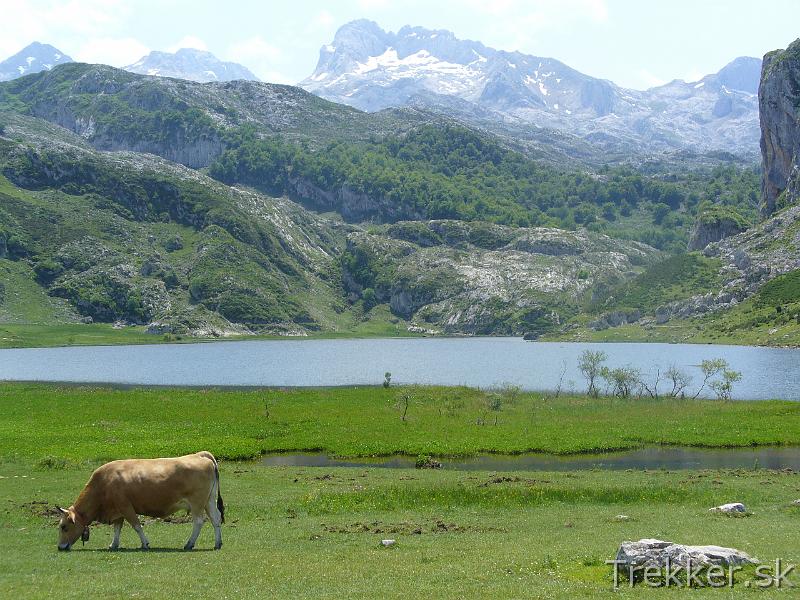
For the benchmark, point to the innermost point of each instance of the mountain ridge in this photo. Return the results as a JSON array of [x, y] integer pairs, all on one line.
[[191, 64], [372, 69]]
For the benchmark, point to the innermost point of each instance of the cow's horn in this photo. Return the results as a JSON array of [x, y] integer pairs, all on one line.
[[63, 510]]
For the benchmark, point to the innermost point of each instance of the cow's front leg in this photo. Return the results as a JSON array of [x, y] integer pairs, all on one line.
[[133, 519], [198, 521], [117, 530]]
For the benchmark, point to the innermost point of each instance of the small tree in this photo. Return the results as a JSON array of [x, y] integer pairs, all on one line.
[[651, 389], [387, 379], [723, 388], [679, 380], [591, 364], [621, 380], [403, 400], [710, 368]]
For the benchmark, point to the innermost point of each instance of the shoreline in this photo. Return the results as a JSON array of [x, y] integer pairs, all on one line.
[[135, 336]]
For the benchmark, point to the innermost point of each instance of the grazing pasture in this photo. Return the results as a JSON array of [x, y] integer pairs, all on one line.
[[315, 532]]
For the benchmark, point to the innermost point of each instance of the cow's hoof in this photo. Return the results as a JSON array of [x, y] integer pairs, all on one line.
[[145, 547], [113, 548], [218, 546], [188, 547]]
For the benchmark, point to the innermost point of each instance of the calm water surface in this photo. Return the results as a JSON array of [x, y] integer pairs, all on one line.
[[481, 362], [646, 458]]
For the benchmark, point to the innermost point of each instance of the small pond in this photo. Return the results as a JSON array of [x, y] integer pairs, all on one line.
[[670, 458]]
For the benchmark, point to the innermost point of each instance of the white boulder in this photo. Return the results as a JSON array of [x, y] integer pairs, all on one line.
[[731, 507], [659, 553]]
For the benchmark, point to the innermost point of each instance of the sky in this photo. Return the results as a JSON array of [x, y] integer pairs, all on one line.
[[634, 43]]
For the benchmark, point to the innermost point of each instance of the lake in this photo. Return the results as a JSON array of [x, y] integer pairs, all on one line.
[[478, 362]]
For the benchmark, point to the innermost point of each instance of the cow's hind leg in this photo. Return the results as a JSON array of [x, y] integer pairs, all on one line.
[[197, 519], [216, 519], [117, 529], [133, 519]]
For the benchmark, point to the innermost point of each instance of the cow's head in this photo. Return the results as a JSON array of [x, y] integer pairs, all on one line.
[[70, 528]]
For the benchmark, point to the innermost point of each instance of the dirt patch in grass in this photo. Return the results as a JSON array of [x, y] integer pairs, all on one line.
[[513, 479], [41, 508], [410, 528]]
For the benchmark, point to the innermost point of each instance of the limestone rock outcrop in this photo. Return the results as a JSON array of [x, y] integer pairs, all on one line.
[[779, 112]]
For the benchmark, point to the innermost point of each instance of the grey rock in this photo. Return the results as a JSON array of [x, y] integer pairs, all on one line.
[[707, 230], [663, 314], [731, 507], [659, 553], [778, 97]]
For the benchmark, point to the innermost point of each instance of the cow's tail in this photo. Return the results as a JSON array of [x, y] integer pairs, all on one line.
[[220, 503]]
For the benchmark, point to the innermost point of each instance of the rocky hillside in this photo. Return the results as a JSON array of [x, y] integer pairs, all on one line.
[[133, 238], [184, 121], [745, 285], [191, 64], [476, 278], [372, 69], [184, 207], [779, 102], [33, 58]]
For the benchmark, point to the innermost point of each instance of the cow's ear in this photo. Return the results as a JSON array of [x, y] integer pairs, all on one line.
[[85, 535]]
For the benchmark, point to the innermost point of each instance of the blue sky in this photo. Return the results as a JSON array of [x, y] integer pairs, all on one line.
[[633, 43]]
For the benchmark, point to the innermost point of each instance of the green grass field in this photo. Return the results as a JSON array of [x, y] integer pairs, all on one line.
[[76, 422], [295, 532]]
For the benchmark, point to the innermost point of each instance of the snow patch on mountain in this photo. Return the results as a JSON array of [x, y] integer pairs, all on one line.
[[191, 64], [373, 69]]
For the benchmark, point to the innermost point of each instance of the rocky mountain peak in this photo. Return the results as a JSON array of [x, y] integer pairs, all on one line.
[[372, 69], [33, 58], [191, 64], [743, 73]]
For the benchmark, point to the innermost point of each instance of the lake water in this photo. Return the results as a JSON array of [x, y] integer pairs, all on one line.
[[647, 458], [479, 361]]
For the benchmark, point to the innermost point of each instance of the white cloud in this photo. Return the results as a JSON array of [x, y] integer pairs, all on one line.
[[117, 52], [60, 22], [544, 13], [373, 4], [513, 24], [322, 20], [188, 41], [693, 75], [259, 56], [648, 80]]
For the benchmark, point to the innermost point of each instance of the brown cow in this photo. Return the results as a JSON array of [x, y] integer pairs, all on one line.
[[120, 490]]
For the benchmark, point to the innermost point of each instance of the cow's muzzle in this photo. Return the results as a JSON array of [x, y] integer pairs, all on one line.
[[64, 546]]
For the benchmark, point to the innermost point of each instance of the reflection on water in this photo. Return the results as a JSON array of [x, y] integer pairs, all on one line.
[[646, 458]]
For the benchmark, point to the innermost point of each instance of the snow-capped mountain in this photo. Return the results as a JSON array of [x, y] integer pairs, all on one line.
[[372, 69], [32, 59], [188, 63]]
